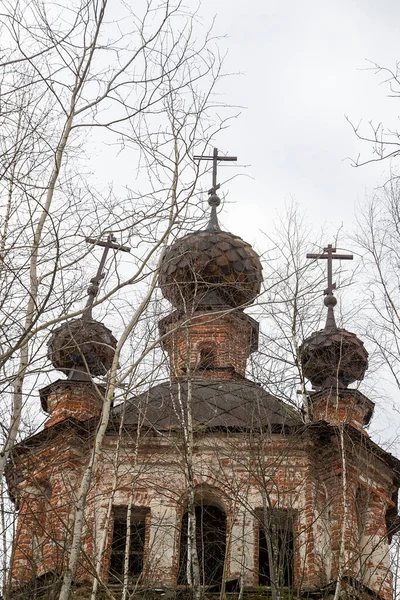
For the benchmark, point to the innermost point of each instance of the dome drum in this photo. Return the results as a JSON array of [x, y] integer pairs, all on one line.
[[342, 406], [229, 337]]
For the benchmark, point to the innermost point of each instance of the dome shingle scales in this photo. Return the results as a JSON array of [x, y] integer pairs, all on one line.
[[210, 261], [84, 345], [333, 356]]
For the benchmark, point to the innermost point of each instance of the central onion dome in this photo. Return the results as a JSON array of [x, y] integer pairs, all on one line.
[[210, 267], [332, 356], [82, 347]]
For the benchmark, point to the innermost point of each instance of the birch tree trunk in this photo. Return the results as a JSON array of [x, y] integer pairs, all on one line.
[[81, 95], [31, 313], [341, 557]]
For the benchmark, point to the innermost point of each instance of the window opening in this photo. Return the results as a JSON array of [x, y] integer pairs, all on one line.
[[361, 505], [206, 358], [210, 543], [276, 547], [136, 547]]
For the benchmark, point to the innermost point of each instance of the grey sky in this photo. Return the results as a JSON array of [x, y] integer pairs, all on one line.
[[303, 68]]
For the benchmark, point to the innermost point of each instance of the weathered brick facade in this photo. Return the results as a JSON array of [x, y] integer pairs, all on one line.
[[303, 471], [80, 400], [230, 336], [338, 487]]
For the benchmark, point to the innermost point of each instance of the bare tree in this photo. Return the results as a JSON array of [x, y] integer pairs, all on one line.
[[378, 238], [382, 142], [75, 78], [249, 482]]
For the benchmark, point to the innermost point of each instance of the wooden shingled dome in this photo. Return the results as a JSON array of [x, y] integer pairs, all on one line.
[[335, 357], [83, 345], [206, 263]]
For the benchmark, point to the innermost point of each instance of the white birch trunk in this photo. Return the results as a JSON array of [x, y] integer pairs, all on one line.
[[101, 430], [342, 550], [105, 415], [127, 548], [194, 559], [16, 409]]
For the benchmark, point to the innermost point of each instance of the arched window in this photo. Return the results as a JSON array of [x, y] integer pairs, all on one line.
[[210, 544], [206, 358]]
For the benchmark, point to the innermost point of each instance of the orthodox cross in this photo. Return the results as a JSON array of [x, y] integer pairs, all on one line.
[[215, 158], [329, 254], [93, 289]]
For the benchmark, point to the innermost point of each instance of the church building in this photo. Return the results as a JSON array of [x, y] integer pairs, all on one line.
[[207, 485]]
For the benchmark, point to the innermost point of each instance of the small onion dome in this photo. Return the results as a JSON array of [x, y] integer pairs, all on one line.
[[333, 357], [208, 264], [83, 345]]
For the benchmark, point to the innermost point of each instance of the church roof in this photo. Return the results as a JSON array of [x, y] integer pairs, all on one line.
[[216, 404]]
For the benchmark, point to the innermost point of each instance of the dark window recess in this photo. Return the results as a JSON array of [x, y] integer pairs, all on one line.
[[206, 358], [136, 547], [211, 545], [361, 504], [276, 547]]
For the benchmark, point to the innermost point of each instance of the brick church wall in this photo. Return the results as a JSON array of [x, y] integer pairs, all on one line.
[[295, 472]]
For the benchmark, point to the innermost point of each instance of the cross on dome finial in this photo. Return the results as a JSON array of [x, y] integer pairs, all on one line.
[[93, 289], [332, 358], [213, 200], [84, 348], [329, 254]]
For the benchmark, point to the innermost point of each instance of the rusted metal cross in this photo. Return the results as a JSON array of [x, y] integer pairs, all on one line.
[[93, 289], [330, 254], [215, 158]]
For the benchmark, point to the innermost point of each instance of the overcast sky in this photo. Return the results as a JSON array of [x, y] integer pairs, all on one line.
[[303, 68]]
